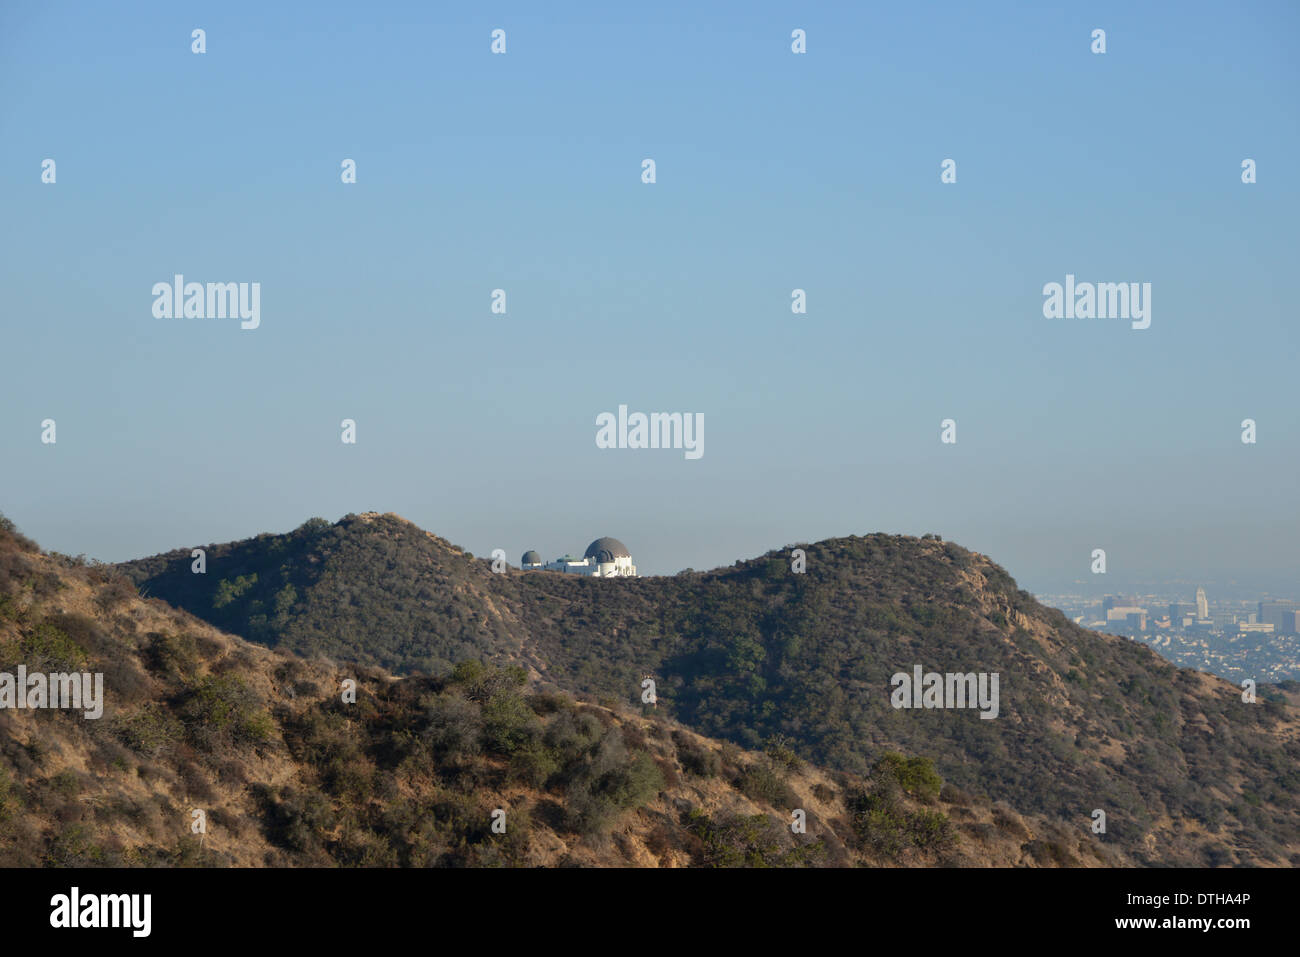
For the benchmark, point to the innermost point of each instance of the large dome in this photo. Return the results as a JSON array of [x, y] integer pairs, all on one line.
[[531, 558], [606, 550]]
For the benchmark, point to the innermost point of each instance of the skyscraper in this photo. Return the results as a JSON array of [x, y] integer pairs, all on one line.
[[1202, 606], [1279, 613], [1117, 601]]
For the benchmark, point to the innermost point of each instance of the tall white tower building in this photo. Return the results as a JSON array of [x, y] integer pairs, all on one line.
[[1202, 606]]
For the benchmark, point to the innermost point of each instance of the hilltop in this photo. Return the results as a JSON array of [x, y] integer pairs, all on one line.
[[285, 772], [1186, 772]]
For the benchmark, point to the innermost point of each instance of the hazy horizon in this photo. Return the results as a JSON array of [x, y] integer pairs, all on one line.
[[1091, 586]]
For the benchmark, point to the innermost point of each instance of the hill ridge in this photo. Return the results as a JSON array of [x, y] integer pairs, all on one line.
[[281, 770], [752, 651]]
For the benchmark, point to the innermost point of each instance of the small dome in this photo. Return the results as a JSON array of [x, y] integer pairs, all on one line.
[[531, 558], [606, 550]]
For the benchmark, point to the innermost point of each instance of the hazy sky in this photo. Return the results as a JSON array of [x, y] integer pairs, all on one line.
[[775, 171]]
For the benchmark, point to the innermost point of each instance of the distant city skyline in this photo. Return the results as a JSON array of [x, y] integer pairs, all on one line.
[[1232, 638], [776, 173]]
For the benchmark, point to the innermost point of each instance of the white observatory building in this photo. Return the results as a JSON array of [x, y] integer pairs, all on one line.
[[604, 558]]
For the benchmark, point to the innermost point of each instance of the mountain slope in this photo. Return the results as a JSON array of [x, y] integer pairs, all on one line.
[[285, 772], [1185, 771]]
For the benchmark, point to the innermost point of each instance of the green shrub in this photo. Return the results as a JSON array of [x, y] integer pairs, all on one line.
[[365, 849], [508, 723], [534, 765], [698, 759], [453, 726], [823, 793], [570, 735], [299, 820], [149, 729], [761, 781], [916, 776], [312, 527], [75, 847], [930, 830], [66, 783], [608, 783], [782, 754], [48, 649], [228, 591], [878, 823], [882, 823], [172, 657], [747, 841], [481, 682], [546, 703], [636, 783], [221, 708]]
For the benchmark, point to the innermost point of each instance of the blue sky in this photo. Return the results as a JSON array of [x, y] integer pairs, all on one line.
[[775, 171]]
